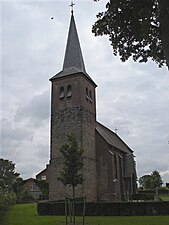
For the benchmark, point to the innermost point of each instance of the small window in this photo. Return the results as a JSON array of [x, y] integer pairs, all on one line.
[[90, 95], [87, 94], [43, 178], [33, 187], [62, 93], [115, 166], [69, 91]]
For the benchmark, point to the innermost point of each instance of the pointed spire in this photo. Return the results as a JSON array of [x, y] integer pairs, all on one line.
[[73, 54], [73, 60]]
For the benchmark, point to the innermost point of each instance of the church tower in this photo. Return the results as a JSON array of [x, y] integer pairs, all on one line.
[[73, 109]]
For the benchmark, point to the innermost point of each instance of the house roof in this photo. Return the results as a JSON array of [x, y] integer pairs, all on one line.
[[41, 172], [112, 138], [29, 179], [73, 60]]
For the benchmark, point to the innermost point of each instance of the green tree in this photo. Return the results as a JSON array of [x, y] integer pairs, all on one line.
[[8, 175], [137, 29], [152, 181], [156, 180], [72, 165], [18, 186], [145, 181]]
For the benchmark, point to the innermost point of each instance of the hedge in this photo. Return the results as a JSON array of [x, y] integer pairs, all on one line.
[[106, 209], [5, 201], [142, 196], [161, 190]]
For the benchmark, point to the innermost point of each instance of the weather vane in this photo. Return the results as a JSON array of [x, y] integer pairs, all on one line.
[[72, 5]]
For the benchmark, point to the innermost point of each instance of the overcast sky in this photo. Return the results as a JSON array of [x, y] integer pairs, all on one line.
[[130, 96]]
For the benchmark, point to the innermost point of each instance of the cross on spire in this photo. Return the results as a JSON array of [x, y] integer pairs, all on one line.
[[72, 5]]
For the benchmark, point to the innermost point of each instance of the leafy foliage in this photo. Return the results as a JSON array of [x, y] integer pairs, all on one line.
[[72, 165], [134, 29], [151, 181], [143, 197], [24, 197], [156, 179], [105, 209], [6, 201], [43, 185], [145, 181], [17, 186], [8, 175], [73, 162]]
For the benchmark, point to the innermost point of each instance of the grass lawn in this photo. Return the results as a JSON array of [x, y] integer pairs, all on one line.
[[25, 214], [164, 197]]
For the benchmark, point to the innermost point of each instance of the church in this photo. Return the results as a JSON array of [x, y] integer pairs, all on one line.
[[109, 173]]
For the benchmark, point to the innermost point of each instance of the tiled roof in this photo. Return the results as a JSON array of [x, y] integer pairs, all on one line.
[[112, 138], [41, 172]]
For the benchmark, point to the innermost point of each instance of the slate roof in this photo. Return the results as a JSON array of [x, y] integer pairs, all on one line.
[[112, 138], [73, 60]]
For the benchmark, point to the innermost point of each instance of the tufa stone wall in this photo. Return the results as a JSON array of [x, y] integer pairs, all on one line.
[[75, 114]]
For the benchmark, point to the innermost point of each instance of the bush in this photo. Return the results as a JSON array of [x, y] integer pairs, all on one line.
[[43, 197], [25, 197], [5, 201], [107, 209], [164, 191], [146, 191], [142, 197]]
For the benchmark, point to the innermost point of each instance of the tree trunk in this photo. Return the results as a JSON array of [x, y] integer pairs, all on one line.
[[164, 23], [156, 194], [66, 209], [73, 205]]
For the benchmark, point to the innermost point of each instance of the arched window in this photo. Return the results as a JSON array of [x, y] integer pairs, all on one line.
[[87, 94], [62, 93], [69, 91], [115, 166], [90, 96]]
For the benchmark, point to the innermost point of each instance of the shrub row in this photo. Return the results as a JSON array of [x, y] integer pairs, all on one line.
[[5, 201], [142, 197], [164, 191], [106, 209], [160, 191]]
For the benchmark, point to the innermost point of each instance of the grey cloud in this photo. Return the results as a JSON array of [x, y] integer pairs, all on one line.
[[36, 111], [43, 151], [165, 177], [36, 157], [30, 168], [13, 137], [130, 96]]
